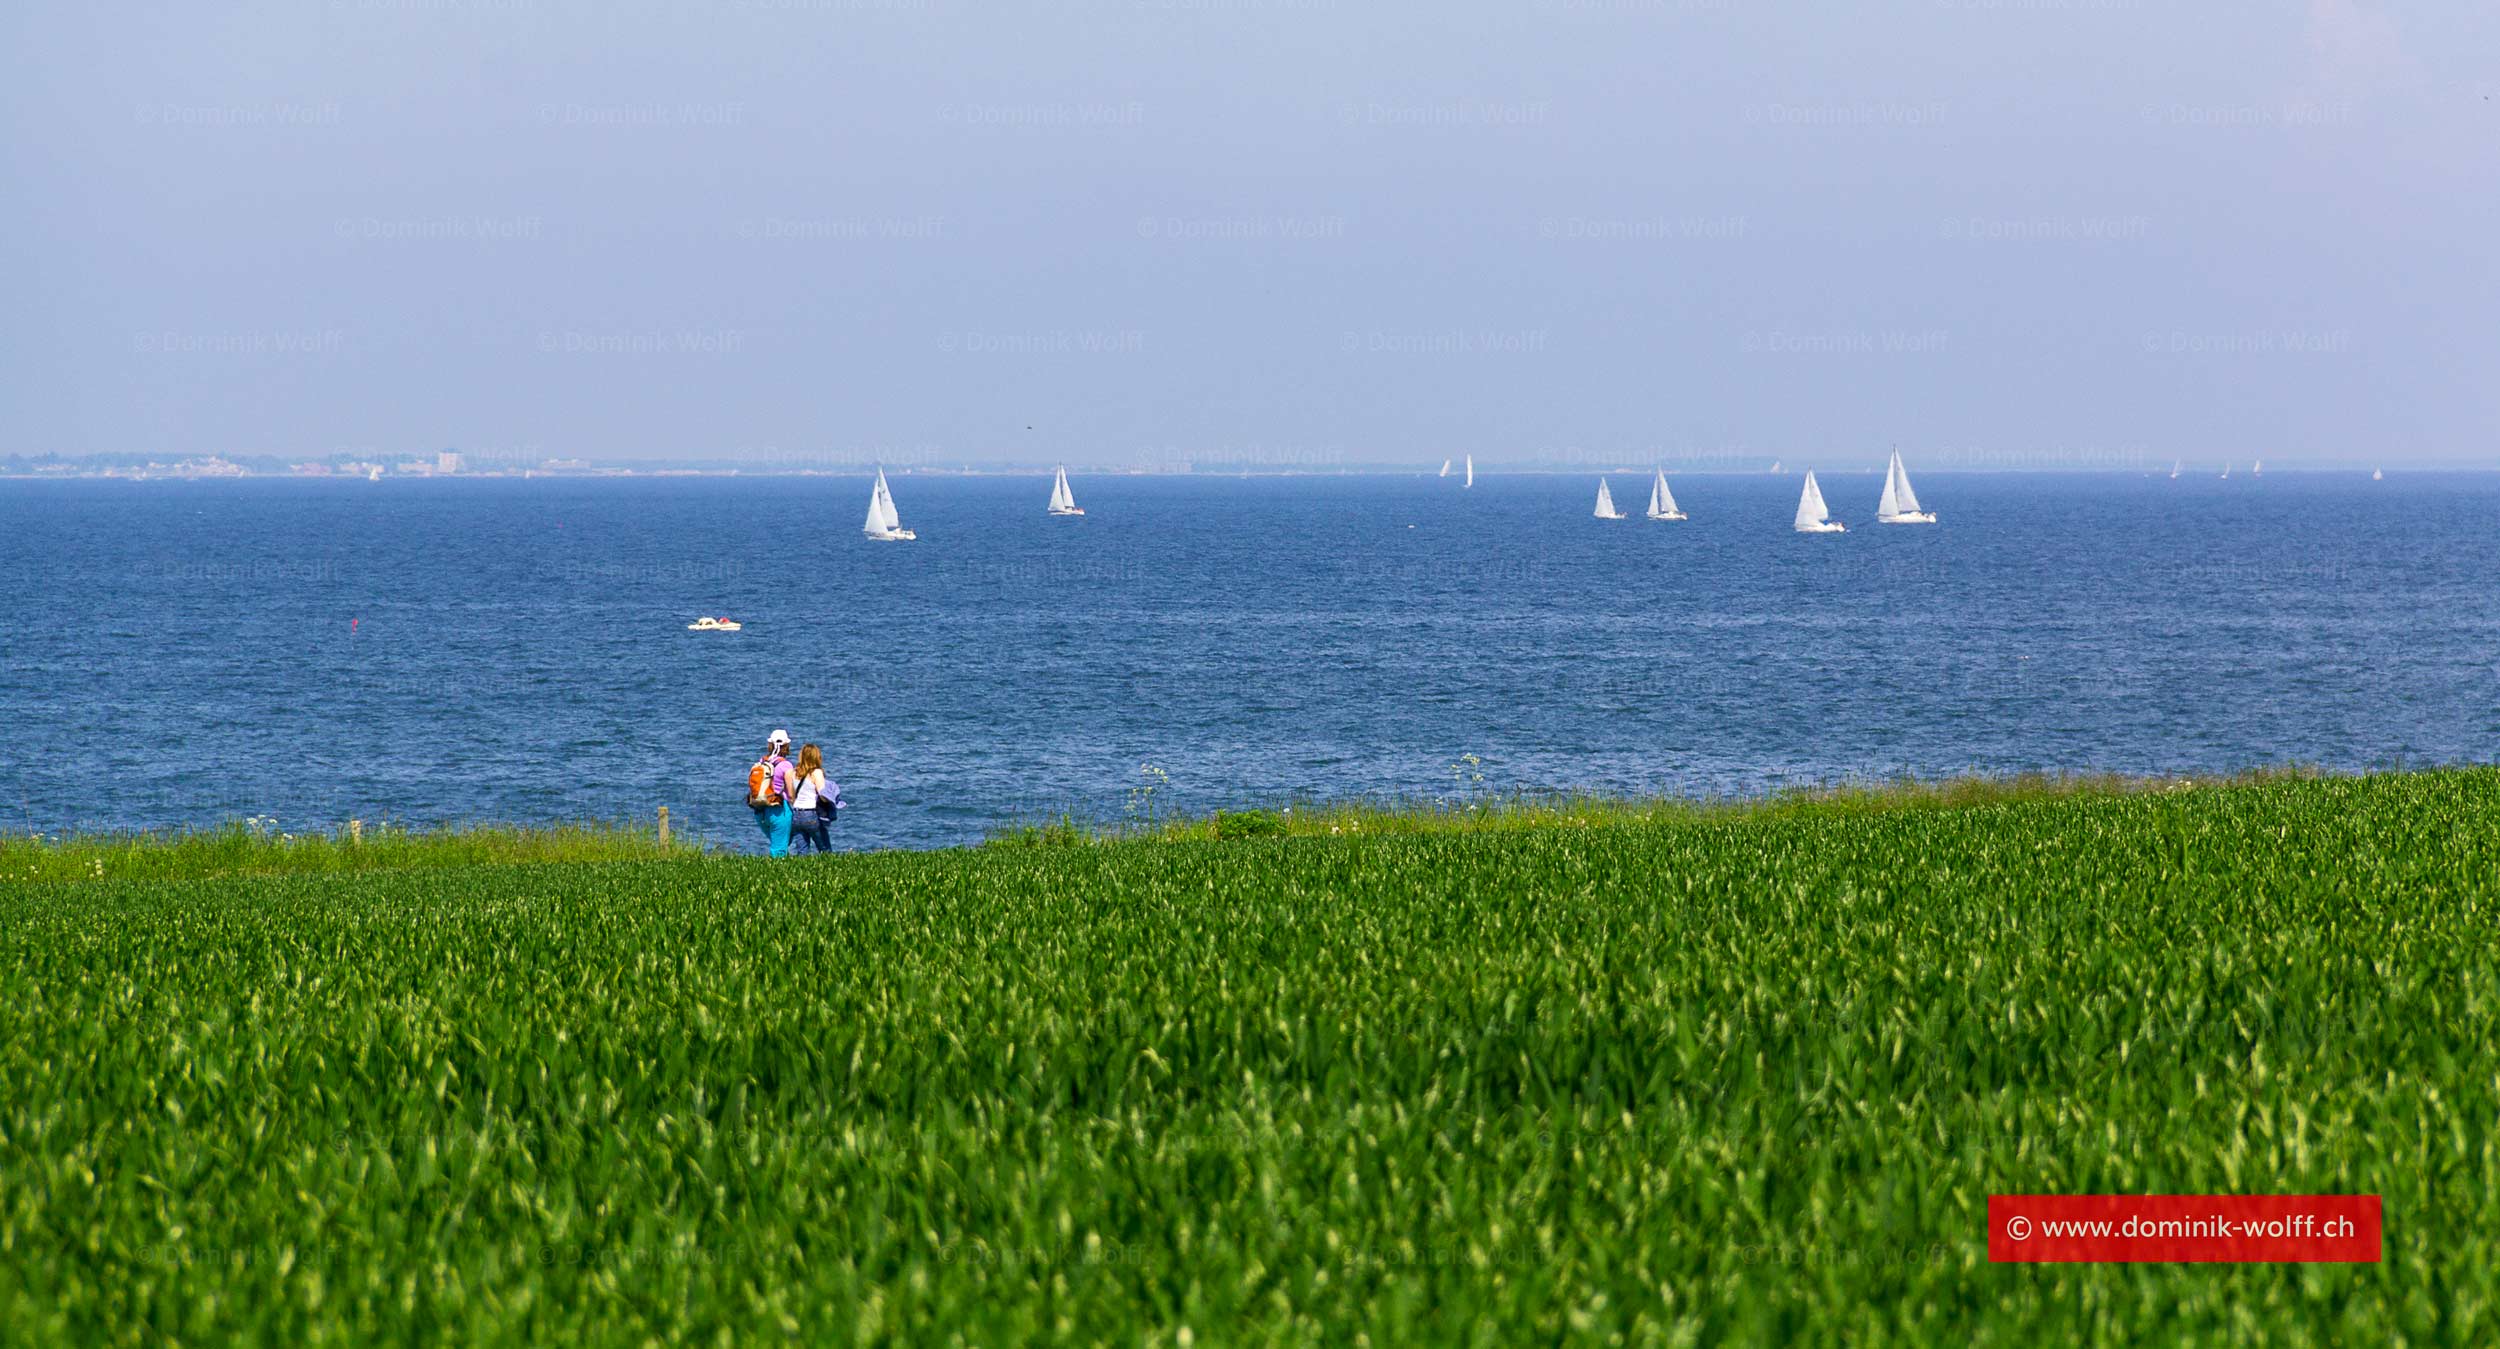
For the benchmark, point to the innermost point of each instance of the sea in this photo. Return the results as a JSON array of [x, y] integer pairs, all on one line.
[[177, 654]]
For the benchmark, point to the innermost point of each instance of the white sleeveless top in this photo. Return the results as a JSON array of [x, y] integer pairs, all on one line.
[[806, 798]]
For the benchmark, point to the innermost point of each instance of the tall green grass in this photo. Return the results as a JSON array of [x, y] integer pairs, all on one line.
[[1478, 810], [239, 848], [1706, 1078]]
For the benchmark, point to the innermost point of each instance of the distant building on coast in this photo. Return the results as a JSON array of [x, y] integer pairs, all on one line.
[[448, 462]]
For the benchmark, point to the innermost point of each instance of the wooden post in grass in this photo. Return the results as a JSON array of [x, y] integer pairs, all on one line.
[[663, 826], [355, 832]]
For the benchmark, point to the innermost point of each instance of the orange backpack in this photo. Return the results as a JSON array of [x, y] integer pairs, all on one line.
[[762, 794]]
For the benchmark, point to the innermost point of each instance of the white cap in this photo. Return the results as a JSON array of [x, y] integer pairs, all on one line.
[[778, 738]]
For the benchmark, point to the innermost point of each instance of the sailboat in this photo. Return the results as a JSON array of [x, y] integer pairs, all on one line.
[[1775, 466], [1606, 503], [2378, 475], [1900, 504], [2174, 468], [2256, 468], [1063, 501], [883, 524], [1662, 501], [1471, 470], [2226, 470], [1812, 517], [1445, 468]]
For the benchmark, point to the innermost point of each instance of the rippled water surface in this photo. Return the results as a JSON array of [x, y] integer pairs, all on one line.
[[178, 653]]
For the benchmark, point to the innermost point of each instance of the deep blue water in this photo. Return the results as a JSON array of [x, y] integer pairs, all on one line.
[[180, 653]]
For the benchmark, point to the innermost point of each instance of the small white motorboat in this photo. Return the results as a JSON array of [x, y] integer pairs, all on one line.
[[707, 623]]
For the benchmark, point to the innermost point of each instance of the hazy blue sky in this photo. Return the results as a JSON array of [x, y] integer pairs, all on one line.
[[2001, 232]]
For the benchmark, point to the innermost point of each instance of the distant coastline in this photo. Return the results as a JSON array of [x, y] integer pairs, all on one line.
[[211, 468]]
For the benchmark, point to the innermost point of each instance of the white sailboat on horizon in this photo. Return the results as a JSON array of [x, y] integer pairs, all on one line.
[[2226, 470], [2256, 468], [2378, 475], [2174, 468], [1606, 503], [1900, 504], [1445, 468], [884, 525], [1812, 516], [1063, 501], [1662, 501], [1471, 470], [1775, 466]]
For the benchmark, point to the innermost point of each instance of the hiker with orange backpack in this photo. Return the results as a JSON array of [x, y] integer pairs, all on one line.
[[768, 794]]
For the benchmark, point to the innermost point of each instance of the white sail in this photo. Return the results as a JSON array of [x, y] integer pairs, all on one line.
[[2256, 468], [1661, 501], [883, 522], [1061, 499], [1606, 503], [2174, 468], [1775, 466], [876, 525], [1813, 517], [1445, 468], [1900, 503], [1898, 488], [2378, 475], [1471, 470]]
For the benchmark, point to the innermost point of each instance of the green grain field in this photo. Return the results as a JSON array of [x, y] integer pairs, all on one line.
[[1673, 1077]]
